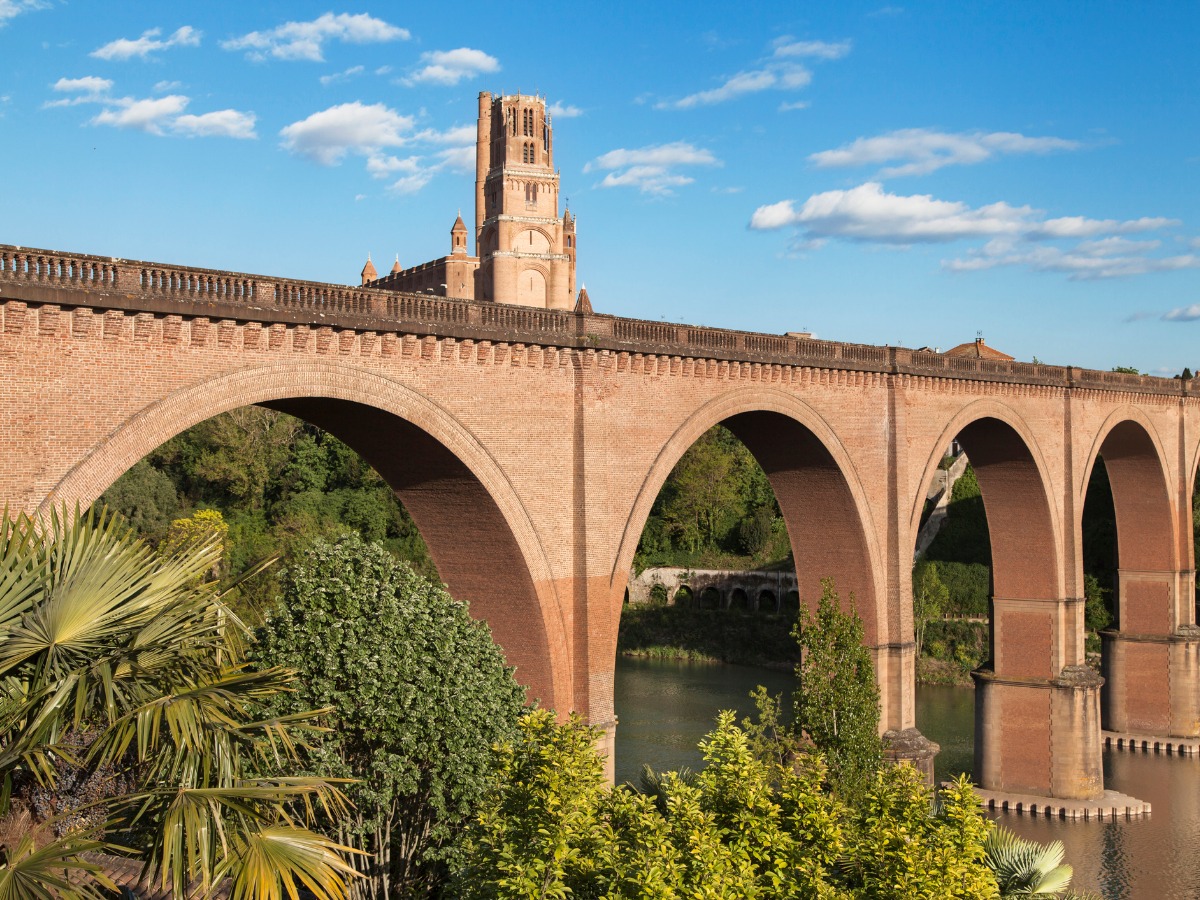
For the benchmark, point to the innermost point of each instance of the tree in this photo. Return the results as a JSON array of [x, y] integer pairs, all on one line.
[[756, 822], [416, 695], [118, 663], [837, 699], [1126, 370], [930, 599], [146, 498]]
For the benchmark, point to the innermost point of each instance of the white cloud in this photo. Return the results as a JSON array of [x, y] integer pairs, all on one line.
[[306, 40], [162, 87], [126, 48], [344, 75], [789, 47], [459, 136], [1013, 235], [158, 116], [417, 171], [151, 116], [559, 110], [777, 72], [229, 123], [327, 136], [88, 89], [919, 151], [452, 66], [752, 82], [10, 9], [651, 169], [1077, 265], [1183, 314]]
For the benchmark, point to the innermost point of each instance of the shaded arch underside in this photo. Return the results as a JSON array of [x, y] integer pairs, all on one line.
[[826, 532], [1025, 557], [1145, 537]]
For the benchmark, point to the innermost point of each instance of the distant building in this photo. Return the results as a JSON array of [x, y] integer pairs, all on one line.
[[524, 251], [977, 349]]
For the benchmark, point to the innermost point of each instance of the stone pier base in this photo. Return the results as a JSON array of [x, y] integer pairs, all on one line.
[[1149, 743], [1108, 806], [911, 748]]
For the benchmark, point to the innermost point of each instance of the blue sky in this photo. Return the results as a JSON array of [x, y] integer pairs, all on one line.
[[885, 173]]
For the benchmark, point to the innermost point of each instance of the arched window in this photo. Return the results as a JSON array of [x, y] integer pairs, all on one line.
[[546, 138]]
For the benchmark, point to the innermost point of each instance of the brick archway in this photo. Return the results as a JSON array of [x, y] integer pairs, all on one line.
[[819, 492], [478, 531], [1028, 476], [1154, 641]]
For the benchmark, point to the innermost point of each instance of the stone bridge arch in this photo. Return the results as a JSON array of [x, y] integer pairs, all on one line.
[[1025, 476], [477, 529], [820, 494], [1037, 716], [1155, 641]]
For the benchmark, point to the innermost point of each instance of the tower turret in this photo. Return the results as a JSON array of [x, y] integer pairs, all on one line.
[[458, 237], [368, 271]]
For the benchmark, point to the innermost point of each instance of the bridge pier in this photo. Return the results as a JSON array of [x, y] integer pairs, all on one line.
[[1039, 736], [1151, 662], [1153, 683]]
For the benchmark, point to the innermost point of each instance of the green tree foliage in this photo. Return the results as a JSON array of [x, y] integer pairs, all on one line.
[[277, 482], [716, 507], [1126, 370], [837, 699], [963, 537], [145, 497], [756, 822], [125, 699], [418, 694], [931, 599], [1096, 616]]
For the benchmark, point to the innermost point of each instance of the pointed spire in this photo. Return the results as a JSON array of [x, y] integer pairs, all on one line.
[[368, 271], [396, 265], [583, 305]]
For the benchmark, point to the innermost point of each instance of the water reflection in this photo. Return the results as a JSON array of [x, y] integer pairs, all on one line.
[[664, 708]]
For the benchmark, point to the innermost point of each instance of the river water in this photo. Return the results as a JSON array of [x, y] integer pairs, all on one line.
[[664, 708]]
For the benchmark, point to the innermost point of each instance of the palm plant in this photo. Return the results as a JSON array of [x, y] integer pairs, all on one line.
[[1026, 868], [100, 637]]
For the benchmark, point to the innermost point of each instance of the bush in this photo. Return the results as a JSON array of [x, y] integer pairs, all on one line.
[[418, 694]]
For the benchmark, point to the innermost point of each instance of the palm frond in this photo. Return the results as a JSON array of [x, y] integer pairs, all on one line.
[[31, 873]]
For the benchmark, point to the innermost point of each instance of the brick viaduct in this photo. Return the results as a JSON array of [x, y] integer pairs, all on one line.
[[529, 445]]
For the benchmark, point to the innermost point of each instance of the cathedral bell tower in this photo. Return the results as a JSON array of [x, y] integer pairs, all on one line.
[[526, 250]]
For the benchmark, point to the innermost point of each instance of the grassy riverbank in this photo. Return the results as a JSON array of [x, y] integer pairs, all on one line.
[[953, 648], [677, 632]]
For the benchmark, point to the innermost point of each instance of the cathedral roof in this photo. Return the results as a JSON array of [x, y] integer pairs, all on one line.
[[368, 271], [396, 267], [458, 224]]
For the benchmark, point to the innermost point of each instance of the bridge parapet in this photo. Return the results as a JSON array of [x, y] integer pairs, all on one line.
[[74, 279]]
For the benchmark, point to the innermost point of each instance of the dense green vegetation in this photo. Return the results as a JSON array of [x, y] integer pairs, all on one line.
[[416, 692], [716, 510]]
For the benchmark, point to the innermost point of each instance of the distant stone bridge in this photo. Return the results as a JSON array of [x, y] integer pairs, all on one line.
[[764, 591], [529, 446]]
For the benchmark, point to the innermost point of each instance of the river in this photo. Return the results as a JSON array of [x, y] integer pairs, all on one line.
[[664, 708]]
